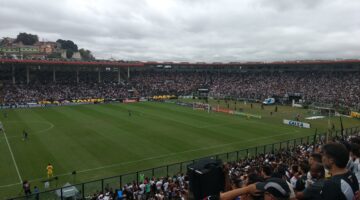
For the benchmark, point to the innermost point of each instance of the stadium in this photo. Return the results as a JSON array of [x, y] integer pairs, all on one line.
[[141, 127], [179, 100]]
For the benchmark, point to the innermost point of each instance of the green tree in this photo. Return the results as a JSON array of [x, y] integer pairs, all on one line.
[[69, 53], [27, 39], [68, 45], [86, 54]]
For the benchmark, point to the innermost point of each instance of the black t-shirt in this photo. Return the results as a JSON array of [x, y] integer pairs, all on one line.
[[300, 183], [340, 187], [313, 191]]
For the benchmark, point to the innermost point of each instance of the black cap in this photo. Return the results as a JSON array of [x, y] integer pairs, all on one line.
[[275, 186]]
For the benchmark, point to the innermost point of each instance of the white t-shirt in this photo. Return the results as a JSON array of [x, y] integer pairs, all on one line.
[[293, 181], [142, 188], [292, 193], [356, 169], [158, 185], [166, 186]]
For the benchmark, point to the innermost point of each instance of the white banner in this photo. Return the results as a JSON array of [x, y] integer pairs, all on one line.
[[296, 123]]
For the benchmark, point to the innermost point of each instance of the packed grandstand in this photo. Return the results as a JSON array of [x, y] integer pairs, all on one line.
[[306, 171], [337, 85], [300, 168]]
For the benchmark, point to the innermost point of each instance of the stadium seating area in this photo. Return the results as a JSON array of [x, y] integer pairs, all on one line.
[[331, 88], [175, 187], [297, 166], [300, 167], [24, 93], [293, 165]]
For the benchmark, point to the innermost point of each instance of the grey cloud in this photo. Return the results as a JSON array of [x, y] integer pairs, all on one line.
[[286, 5], [193, 30]]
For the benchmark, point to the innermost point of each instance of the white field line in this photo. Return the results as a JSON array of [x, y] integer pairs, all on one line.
[[12, 156], [157, 157], [51, 126]]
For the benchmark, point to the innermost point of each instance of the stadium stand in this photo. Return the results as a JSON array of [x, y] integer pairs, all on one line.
[[175, 187], [338, 89], [304, 177]]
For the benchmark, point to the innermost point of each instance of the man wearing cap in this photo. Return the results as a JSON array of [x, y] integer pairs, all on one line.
[[273, 189]]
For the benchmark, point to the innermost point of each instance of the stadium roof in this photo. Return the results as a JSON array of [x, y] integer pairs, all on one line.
[[144, 64], [74, 63]]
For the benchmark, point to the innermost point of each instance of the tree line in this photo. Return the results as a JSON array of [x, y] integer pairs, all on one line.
[[68, 45]]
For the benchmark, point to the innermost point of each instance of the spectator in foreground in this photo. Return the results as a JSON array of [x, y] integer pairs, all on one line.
[[343, 184], [273, 189], [312, 192]]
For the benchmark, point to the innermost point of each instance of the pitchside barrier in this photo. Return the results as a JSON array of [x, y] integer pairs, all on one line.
[[296, 123], [85, 190], [233, 112]]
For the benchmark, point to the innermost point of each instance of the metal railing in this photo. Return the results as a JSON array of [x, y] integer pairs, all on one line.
[[86, 189]]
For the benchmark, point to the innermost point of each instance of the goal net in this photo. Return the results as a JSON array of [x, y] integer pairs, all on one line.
[[324, 111], [201, 106]]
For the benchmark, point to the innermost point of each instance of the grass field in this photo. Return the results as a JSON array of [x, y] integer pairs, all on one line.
[[103, 140]]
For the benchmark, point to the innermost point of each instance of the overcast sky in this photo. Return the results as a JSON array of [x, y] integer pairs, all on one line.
[[193, 30]]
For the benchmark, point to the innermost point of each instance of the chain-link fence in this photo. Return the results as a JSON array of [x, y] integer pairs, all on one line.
[[84, 190]]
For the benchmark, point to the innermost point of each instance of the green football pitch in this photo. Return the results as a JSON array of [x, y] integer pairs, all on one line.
[[99, 141]]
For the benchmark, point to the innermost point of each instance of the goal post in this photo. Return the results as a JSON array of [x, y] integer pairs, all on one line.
[[326, 111], [201, 106]]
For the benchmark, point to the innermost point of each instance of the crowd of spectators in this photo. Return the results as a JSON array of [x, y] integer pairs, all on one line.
[[318, 171], [164, 83], [323, 171], [308, 171], [24, 93], [329, 88], [175, 187], [340, 88]]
